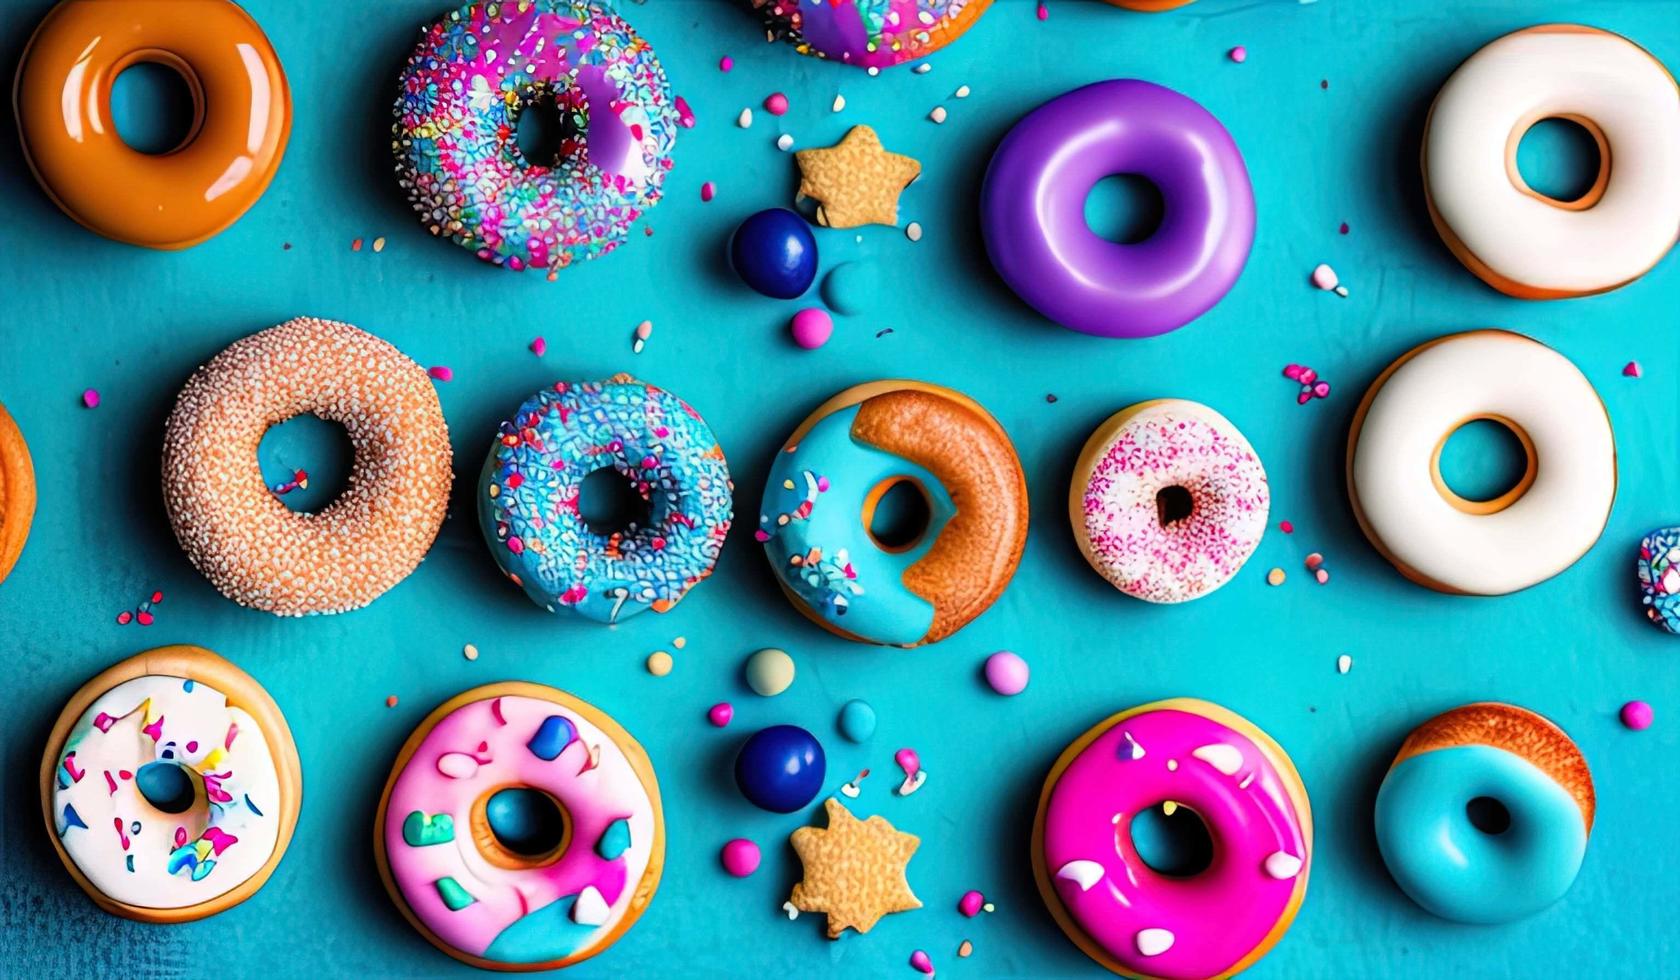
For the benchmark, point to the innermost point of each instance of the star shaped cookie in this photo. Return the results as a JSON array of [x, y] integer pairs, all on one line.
[[856, 181], [854, 870]]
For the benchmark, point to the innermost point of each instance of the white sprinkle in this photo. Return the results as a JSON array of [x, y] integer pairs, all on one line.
[[1172, 765], [1344, 663], [744, 119], [784, 142], [1154, 942], [1226, 758], [873, 71], [590, 909], [913, 231], [791, 910], [922, 69], [839, 102], [1082, 873], [1133, 751], [457, 765], [1341, 291], [962, 91], [1283, 865], [470, 652], [938, 114], [1324, 277]]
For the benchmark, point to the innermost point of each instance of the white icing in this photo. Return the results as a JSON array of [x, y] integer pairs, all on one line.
[[244, 771], [1462, 377], [1282, 865], [1082, 873], [1518, 80], [457, 765], [1154, 942], [1134, 751], [1225, 758], [590, 909]]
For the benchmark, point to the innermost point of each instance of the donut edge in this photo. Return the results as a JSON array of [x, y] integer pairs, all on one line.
[[626, 743], [1358, 423], [1268, 746], [242, 691], [17, 493]]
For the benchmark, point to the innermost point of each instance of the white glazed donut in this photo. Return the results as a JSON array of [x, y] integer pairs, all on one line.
[[1535, 530], [1125, 516], [1520, 241]]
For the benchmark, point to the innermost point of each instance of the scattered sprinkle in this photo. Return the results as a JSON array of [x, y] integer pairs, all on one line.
[[285, 246], [1286, 527], [142, 613], [1043, 11], [90, 398], [972, 903], [441, 373], [356, 245], [874, 71], [883, 332], [784, 142], [1051, 398], [923, 68], [853, 788], [914, 774], [685, 113], [965, 949], [539, 346], [659, 663], [744, 119], [1314, 560], [1322, 575], [1344, 228], [644, 330], [391, 701], [1324, 277], [963, 92], [839, 102], [1344, 663], [1637, 715], [938, 114], [299, 481], [791, 910], [776, 104], [1311, 386], [740, 857], [1238, 54], [1007, 673], [708, 190], [1324, 83], [470, 652], [921, 962], [124, 618], [379, 244], [680, 642], [720, 714], [1275, 577], [725, 63], [1630, 370], [913, 231]]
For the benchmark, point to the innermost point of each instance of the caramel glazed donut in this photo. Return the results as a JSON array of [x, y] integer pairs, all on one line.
[[239, 534], [17, 493]]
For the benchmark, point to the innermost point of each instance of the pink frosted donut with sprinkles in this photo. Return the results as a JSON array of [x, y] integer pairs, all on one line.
[[1168, 500], [872, 34], [455, 137]]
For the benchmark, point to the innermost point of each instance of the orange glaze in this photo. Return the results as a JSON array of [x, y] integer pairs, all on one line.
[[242, 114]]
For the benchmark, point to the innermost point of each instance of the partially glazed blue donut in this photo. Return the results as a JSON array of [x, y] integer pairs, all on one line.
[[1458, 871], [529, 493]]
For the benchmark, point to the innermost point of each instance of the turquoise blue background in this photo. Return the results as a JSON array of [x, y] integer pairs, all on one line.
[[82, 312]]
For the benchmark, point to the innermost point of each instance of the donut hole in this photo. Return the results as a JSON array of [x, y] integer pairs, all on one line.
[[1173, 504], [519, 827], [610, 504], [306, 462], [1484, 465], [1488, 815], [155, 107], [167, 786], [1172, 840], [1561, 160], [547, 127], [1125, 208], [897, 513]]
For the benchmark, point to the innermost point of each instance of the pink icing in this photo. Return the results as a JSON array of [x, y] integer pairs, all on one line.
[[1213, 919], [591, 778], [1166, 445]]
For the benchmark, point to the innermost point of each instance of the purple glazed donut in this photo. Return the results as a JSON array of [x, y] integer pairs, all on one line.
[[1033, 209]]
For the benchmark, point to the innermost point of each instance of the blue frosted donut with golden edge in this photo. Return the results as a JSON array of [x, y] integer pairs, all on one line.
[[529, 492]]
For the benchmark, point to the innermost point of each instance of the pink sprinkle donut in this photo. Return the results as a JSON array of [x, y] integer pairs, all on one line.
[[1168, 500], [1138, 921]]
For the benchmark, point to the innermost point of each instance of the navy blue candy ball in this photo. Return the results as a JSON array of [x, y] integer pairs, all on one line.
[[775, 253], [780, 768]]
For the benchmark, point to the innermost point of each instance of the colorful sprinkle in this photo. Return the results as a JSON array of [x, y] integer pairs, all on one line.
[[1637, 715], [720, 714], [685, 113], [963, 92], [1238, 54], [644, 330], [90, 398], [811, 327], [1311, 385], [1286, 527], [1344, 663], [614, 841], [725, 63], [853, 788], [708, 190], [1007, 673], [553, 735], [913, 231], [744, 120], [379, 244], [441, 373], [839, 103], [921, 962], [470, 652], [740, 857], [914, 774], [391, 701], [922, 69], [784, 142], [659, 663], [938, 115], [1631, 370], [966, 949], [1275, 577], [455, 898], [972, 904], [776, 104], [1043, 11]]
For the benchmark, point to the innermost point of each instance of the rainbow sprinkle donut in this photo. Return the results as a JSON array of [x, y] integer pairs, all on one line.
[[458, 157], [528, 500], [872, 34]]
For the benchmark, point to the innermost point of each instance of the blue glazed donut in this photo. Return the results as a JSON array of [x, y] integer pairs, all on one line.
[[1487, 874], [528, 500]]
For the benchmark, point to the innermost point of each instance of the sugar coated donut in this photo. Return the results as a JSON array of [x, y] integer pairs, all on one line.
[[1033, 209], [240, 535], [1532, 835], [1526, 535], [533, 482], [171, 786], [871, 34], [490, 883], [1134, 919], [1168, 500], [17, 493], [1515, 238], [242, 115], [456, 134], [831, 475]]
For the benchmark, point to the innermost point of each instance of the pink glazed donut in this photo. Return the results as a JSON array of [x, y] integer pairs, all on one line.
[[1135, 920], [543, 896], [1168, 500]]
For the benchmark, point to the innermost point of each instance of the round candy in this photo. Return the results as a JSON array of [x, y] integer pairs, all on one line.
[[721, 714], [769, 672], [740, 857], [857, 720], [780, 768], [1637, 715], [1006, 672], [775, 253], [811, 328]]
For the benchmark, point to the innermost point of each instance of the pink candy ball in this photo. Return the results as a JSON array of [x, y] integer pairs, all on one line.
[[776, 104], [1006, 672], [740, 857], [1239, 54], [1637, 715], [811, 328], [721, 713]]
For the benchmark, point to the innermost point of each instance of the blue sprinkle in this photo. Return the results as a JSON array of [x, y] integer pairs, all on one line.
[[131, 864], [615, 840], [187, 686], [552, 738], [252, 806], [72, 818]]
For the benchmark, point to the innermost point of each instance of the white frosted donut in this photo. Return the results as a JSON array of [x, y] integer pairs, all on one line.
[[1520, 241], [1528, 534], [1168, 500]]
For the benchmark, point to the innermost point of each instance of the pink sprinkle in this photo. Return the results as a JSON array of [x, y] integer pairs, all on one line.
[[441, 373], [1239, 54], [725, 63], [921, 962], [908, 761], [90, 398], [740, 857], [1286, 527], [124, 618], [708, 190], [721, 714], [1637, 715], [685, 115], [1043, 11], [1314, 560], [776, 104], [539, 347], [1324, 277], [811, 327], [1344, 228], [1632, 370], [971, 903], [1323, 576], [145, 618], [157, 597]]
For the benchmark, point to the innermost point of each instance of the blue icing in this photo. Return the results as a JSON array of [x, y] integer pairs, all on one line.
[[614, 841], [1448, 866], [541, 936], [551, 738], [852, 582], [72, 819], [1659, 577], [528, 493]]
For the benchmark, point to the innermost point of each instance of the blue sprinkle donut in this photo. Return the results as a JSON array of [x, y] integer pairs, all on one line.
[[529, 495]]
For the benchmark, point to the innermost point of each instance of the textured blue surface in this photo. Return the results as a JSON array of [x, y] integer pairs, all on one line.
[[82, 312]]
